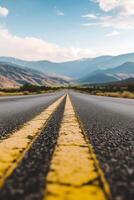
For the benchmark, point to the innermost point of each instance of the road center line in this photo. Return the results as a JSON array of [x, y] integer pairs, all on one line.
[[74, 173], [13, 149]]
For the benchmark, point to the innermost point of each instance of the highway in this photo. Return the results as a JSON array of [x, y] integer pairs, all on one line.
[[66, 145]]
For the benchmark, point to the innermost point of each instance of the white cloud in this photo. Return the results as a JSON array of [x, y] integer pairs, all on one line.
[[116, 22], [124, 6], [59, 13], [107, 5], [3, 11], [89, 16], [31, 48], [118, 14], [113, 33]]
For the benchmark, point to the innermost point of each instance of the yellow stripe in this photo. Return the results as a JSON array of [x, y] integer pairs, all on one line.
[[74, 172], [13, 149]]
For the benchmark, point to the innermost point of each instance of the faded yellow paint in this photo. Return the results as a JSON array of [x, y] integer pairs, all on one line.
[[13, 149], [74, 172]]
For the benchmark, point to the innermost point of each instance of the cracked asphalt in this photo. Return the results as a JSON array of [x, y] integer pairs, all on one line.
[[109, 125]]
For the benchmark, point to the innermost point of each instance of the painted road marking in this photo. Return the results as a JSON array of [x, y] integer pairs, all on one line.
[[74, 173], [13, 149]]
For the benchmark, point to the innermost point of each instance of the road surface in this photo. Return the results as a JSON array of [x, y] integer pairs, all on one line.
[[109, 123], [16, 110], [57, 147]]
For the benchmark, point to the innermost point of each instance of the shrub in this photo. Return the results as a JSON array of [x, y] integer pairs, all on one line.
[[127, 94]]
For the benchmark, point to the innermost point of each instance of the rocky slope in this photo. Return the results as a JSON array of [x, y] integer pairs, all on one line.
[[12, 75]]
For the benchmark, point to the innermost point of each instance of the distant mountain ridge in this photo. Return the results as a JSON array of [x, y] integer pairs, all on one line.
[[121, 72], [71, 69], [74, 69], [12, 76], [127, 67]]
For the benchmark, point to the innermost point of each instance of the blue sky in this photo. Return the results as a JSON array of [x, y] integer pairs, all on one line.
[[61, 30]]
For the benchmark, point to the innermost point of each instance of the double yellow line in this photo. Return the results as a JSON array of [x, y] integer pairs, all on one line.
[[14, 148], [74, 172]]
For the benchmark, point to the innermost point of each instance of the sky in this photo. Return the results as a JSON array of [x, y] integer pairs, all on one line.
[[63, 30]]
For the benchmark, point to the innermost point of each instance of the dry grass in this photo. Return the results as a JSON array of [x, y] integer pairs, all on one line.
[[1, 93], [10, 93], [16, 93], [23, 93], [124, 94]]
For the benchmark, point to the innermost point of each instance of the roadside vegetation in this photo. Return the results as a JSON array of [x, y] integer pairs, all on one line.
[[27, 89], [113, 90]]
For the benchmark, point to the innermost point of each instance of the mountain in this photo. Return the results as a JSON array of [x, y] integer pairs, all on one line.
[[123, 83], [121, 72], [114, 61], [98, 78], [71, 69], [129, 81], [12, 75], [74, 69]]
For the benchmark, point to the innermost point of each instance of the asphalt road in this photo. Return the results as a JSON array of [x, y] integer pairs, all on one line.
[[28, 180], [109, 124], [15, 111]]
